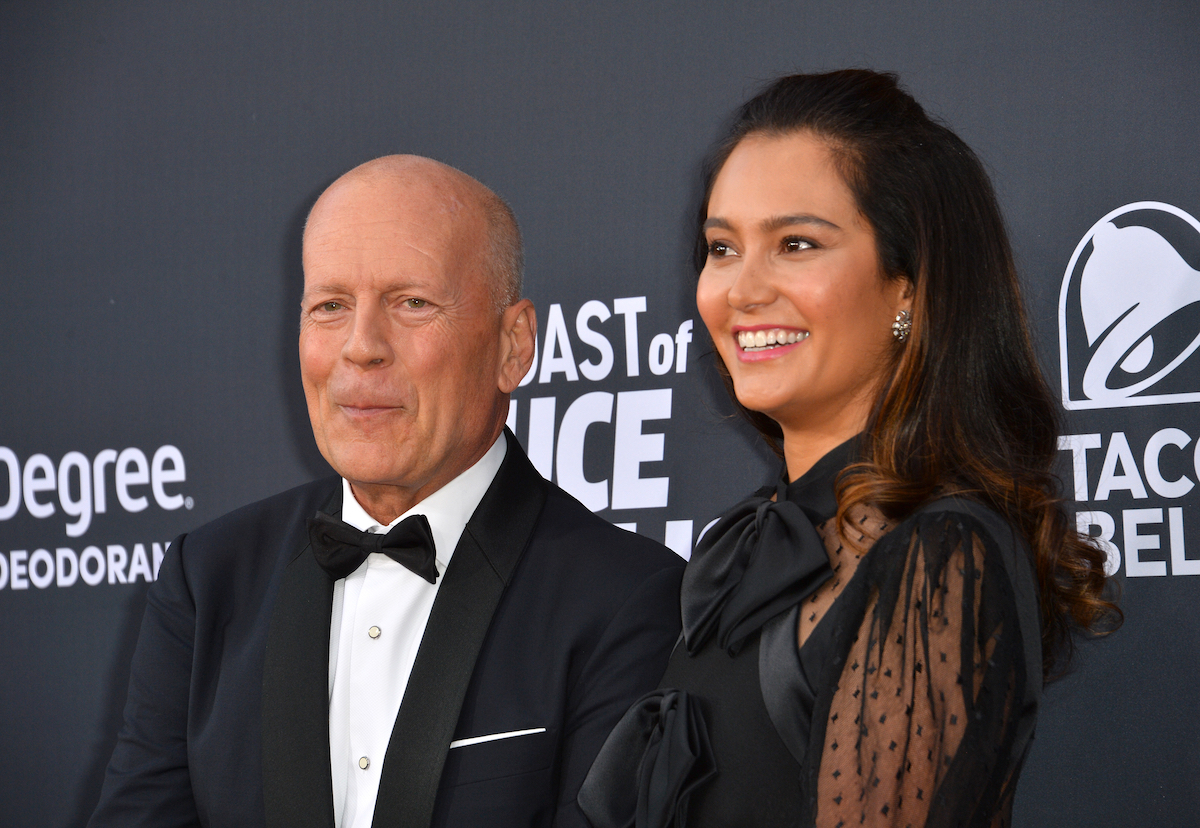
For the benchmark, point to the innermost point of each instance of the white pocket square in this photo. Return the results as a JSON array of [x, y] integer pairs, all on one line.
[[492, 737]]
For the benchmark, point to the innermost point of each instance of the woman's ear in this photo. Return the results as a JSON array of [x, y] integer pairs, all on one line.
[[901, 293], [908, 293]]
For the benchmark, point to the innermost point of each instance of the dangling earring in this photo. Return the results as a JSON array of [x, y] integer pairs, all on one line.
[[902, 327]]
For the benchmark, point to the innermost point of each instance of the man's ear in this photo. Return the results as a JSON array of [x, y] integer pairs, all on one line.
[[518, 338]]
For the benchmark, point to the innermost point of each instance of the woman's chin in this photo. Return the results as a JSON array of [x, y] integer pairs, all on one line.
[[763, 404]]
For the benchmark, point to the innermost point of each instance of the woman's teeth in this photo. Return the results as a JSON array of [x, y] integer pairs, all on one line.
[[774, 338]]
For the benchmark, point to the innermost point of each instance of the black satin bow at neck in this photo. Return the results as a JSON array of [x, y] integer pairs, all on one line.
[[762, 558], [340, 548]]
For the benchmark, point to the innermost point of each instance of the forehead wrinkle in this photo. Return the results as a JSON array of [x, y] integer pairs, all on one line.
[[333, 237], [444, 277]]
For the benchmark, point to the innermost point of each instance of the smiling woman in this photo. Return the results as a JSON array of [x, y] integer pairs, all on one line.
[[793, 294], [865, 642]]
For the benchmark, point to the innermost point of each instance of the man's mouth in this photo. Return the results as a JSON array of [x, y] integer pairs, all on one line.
[[765, 340], [365, 409]]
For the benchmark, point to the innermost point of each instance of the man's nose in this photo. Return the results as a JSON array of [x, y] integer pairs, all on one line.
[[368, 342]]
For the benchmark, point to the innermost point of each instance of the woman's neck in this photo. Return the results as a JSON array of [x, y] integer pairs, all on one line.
[[802, 449]]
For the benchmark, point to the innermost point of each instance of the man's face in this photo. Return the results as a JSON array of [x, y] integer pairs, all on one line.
[[400, 346]]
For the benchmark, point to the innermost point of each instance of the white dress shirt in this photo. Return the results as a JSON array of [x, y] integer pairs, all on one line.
[[379, 615]]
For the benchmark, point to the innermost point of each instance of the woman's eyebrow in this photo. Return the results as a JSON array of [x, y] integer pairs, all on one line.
[[770, 225]]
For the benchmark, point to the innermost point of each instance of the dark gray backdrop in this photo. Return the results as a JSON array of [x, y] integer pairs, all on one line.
[[157, 161]]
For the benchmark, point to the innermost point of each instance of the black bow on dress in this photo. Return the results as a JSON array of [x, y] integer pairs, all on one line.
[[762, 558]]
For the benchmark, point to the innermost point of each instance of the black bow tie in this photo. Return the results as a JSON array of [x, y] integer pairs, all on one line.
[[340, 548]]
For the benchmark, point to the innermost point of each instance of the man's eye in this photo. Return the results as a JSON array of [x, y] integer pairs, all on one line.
[[330, 307], [792, 244], [415, 303]]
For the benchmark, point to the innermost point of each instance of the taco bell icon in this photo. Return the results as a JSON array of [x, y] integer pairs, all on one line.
[[1129, 310]]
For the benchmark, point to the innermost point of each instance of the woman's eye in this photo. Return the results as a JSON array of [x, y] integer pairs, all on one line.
[[718, 249], [792, 244], [415, 302]]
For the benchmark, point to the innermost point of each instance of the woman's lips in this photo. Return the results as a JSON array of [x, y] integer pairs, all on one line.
[[767, 342]]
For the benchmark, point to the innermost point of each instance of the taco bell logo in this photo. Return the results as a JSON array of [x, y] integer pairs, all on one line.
[[1129, 310]]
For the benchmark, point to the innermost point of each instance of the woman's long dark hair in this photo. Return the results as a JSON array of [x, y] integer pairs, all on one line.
[[965, 409]]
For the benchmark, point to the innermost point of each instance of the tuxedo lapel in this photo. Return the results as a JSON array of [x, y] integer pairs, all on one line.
[[480, 569], [297, 786]]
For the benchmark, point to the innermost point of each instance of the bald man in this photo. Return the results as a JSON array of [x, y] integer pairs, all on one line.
[[437, 636]]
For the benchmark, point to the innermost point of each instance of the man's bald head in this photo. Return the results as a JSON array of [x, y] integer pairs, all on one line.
[[412, 331], [505, 261]]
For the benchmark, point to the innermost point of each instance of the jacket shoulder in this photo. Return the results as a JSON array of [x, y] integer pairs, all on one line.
[[274, 512], [569, 524], [258, 534]]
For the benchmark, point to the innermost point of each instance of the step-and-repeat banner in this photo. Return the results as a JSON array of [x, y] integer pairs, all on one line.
[[157, 161]]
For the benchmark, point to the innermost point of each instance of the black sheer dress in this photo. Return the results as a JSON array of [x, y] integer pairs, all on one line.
[[817, 686]]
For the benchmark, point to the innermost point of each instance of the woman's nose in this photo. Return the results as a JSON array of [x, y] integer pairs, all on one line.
[[751, 286]]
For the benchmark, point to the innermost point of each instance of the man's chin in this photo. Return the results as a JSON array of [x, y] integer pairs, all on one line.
[[363, 466]]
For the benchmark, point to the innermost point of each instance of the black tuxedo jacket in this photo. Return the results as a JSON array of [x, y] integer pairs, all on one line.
[[547, 617]]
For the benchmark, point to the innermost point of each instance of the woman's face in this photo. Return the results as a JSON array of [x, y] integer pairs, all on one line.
[[792, 292]]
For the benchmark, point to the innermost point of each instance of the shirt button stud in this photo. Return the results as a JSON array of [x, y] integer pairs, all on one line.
[[364, 763], [374, 632]]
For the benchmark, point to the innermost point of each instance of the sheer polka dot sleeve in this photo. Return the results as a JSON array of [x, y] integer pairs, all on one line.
[[929, 720]]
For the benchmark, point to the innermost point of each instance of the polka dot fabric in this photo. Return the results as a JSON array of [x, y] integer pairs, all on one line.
[[929, 708]]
